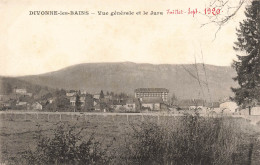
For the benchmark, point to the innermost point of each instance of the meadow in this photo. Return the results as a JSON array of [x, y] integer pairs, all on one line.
[[133, 139]]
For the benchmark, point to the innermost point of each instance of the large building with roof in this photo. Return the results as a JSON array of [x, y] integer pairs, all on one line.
[[152, 92]]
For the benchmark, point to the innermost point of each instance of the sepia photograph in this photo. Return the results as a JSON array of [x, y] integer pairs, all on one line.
[[130, 82]]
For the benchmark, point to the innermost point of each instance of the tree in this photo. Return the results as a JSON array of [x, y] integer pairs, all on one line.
[[89, 102], [122, 96], [101, 95], [229, 9], [173, 99], [9, 88], [62, 103], [103, 105], [77, 103], [248, 63], [112, 94], [6, 88], [68, 145], [59, 93], [46, 96]]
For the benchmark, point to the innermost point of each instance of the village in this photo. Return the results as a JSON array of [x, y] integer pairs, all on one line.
[[144, 100]]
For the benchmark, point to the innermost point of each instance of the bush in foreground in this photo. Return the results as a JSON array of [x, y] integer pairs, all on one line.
[[184, 140], [187, 140], [67, 147]]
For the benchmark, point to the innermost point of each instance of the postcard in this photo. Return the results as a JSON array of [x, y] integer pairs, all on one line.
[[129, 82]]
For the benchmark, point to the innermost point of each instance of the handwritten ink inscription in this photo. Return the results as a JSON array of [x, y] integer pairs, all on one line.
[[189, 11]]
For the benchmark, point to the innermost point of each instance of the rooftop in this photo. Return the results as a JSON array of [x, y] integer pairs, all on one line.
[[151, 90]]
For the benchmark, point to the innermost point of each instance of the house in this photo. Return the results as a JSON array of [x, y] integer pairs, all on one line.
[[20, 91], [108, 97], [255, 110], [152, 92], [95, 102], [96, 96], [97, 107], [250, 111], [36, 106], [190, 104], [119, 105], [228, 107], [6, 105], [50, 100], [73, 100], [105, 100], [244, 111], [192, 107], [71, 93], [197, 107], [151, 103], [130, 104], [28, 94], [83, 92], [21, 103]]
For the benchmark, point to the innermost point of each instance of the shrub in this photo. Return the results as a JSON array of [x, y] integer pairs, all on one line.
[[67, 146], [186, 140]]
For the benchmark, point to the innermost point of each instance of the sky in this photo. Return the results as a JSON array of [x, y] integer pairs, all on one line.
[[35, 44]]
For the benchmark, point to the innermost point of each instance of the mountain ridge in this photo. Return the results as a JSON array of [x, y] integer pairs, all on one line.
[[181, 79]]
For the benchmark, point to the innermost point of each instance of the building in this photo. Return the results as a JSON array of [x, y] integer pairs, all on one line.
[[109, 97], [21, 103], [36, 106], [6, 105], [152, 92], [228, 106], [73, 100], [96, 96], [130, 104], [152, 103], [190, 104], [83, 92], [28, 94], [50, 100], [71, 93], [255, 111], [20, 91]]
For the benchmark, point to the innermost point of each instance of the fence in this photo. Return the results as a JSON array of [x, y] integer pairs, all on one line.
[[73, 115]]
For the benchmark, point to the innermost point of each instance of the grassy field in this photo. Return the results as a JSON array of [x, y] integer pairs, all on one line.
[[19, 133]]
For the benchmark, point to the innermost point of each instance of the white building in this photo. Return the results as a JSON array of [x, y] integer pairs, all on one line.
[[255, 110], [71, 93], [36, 106], [20, 91], [228, 106], [153, 103], [152, 92]]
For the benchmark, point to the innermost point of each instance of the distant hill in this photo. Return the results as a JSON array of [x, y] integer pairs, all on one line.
[[127, 76], [8, 84]]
